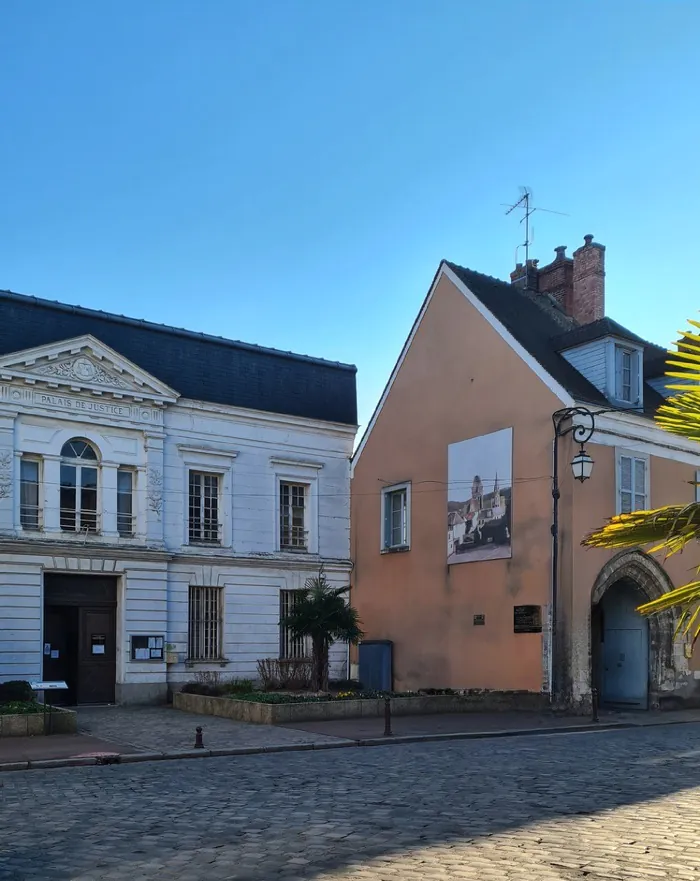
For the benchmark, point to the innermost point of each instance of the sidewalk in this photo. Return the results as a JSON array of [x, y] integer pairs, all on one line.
[[453, 724], [132, 734]]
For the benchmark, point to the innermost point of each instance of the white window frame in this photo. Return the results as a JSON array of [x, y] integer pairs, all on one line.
[[619, 349], [634, 456], [292, 485], [204, 657], [203, 475], [79, 465], [134, 484], [387, 491], [294, 471], [217, 462], [24, 457]]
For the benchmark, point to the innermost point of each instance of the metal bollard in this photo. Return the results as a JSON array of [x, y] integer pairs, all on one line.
[[387, 717], [594, 704], [198, 741]]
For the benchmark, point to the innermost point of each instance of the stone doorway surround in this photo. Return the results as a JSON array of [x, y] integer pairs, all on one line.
[[668, 668]]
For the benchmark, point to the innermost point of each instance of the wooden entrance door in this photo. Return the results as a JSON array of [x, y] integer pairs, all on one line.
[[97, 655], [61, 651], [80, 639]]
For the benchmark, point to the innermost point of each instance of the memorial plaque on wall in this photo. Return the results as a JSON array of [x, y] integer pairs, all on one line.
[[527, 619], [147, 648]]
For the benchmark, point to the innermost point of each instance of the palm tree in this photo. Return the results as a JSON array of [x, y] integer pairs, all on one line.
[[670, 528], [321, 613]]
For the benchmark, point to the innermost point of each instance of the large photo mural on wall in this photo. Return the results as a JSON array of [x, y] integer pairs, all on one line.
[[479, 490]]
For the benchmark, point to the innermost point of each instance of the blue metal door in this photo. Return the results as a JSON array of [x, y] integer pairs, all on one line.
[[625, 667]]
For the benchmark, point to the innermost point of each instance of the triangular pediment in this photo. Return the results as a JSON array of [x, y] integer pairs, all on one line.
[[84, 364]]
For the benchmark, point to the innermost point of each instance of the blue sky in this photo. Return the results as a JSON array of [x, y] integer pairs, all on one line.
[[290, 172]]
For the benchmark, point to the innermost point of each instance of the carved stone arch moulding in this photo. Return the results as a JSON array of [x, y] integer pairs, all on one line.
[[666, 669]]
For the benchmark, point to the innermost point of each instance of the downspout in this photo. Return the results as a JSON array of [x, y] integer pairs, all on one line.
[[555, 560]]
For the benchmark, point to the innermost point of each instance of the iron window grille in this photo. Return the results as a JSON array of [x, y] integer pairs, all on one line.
[[204, 641], [292, 647]]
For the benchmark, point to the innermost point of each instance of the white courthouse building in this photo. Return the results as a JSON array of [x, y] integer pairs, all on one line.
[[161, 494]]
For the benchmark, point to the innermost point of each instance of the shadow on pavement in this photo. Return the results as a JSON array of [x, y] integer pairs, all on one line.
[[310, 814]]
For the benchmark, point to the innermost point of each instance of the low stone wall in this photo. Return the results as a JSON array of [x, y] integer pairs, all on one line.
[[413, 705], [30, 724]]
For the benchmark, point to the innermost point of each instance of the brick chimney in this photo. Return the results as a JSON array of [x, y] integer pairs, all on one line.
[[589, 282], [577, 283], [521, 279], [557, 279]]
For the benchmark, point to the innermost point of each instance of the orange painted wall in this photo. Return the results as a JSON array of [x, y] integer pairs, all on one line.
[[459, 380]]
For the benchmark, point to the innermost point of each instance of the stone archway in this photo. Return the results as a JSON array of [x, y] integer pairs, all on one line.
[[652, 581]]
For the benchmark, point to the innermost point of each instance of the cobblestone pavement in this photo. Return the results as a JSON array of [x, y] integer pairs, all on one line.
[[607, 805], [163, 728]]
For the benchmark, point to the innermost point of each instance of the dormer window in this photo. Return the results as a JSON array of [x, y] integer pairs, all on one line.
[[627, 375]]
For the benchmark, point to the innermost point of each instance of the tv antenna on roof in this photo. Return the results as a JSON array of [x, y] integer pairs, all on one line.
[[525, 201]]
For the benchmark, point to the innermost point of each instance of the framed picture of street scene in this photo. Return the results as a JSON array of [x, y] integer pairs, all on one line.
[[479, 490]]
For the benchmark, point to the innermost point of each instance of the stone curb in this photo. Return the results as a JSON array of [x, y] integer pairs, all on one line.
[[393, 740]]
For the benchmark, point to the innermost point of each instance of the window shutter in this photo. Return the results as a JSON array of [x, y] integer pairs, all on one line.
[[640, 484], [386, 501], [634, 377], [625, 484], [618, 372]]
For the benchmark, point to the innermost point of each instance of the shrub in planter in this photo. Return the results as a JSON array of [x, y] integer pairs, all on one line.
[[16, 690], [345, 685], [293, 674], [212, 684]]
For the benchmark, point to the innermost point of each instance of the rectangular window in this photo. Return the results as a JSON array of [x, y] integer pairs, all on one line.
[[78, 498], [626, 375], [293, 532], [204, 619], [633, 484], [204, 508], [29, 508], [125, 502], [395, 501], [291, 647]]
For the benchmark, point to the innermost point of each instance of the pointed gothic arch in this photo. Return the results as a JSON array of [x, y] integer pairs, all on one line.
[[652, 581]]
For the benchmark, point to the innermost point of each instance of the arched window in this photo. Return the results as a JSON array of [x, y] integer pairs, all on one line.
[[79, 472]]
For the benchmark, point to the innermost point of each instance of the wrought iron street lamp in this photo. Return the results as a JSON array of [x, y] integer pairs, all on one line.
[[582, 467]]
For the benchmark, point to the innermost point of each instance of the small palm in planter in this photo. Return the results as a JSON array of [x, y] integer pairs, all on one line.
[[322, 614]]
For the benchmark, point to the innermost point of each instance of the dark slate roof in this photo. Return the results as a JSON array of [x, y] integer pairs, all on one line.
[[543, 329], [586, 333], [198, 366]]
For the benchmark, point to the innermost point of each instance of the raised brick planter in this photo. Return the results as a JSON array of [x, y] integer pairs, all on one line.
[[30, 724], [414, 705]]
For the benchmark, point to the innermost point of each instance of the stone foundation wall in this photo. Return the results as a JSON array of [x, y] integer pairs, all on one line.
[[413, 705], [32, 724]]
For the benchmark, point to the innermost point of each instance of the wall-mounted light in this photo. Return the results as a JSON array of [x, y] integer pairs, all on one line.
[[582, 465]]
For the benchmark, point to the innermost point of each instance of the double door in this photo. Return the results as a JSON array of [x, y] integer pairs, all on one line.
[[80, 644]]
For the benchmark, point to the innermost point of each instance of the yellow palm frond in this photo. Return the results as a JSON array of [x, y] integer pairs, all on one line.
[[681, 415], [670, 528], [686, 597]]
